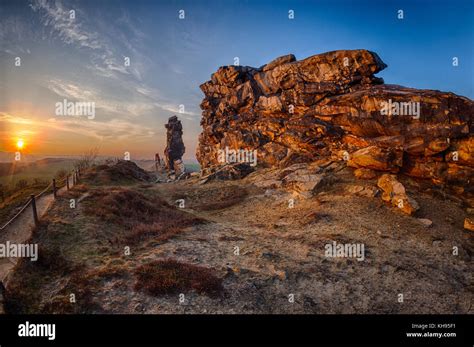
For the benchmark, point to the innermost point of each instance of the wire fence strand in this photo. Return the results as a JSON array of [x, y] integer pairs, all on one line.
[[44, 191], [16, 215], [39, 195]]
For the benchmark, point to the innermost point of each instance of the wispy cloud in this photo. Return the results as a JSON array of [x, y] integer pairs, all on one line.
[[143, 103], [114, 129], [117, 129], [71, 31], [139, 99], [68, 29], [5, 117]]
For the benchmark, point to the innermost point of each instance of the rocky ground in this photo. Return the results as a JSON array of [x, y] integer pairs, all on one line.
[[247, 246]]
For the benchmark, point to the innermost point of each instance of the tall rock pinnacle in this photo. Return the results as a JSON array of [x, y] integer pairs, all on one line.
[[174, 145]]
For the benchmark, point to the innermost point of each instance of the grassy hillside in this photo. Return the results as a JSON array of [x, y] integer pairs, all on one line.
[[41, 170], [19, 180]]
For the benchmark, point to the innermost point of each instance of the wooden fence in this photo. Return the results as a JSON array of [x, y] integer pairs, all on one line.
[[53, 188]]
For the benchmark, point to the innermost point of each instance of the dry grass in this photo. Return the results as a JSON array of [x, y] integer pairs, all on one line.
[[170, 276], [213, 198], [230, 238], [159, 231], [81, 188], [143, 216], [23, 295], [121, 173], [79, 284], [83, 284]]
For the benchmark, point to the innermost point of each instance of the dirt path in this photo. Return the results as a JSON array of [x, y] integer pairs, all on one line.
[[20, 230]]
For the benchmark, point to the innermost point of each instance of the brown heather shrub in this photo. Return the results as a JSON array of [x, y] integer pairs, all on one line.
[[142, 215], [84, 284], [22, 295], [160, 231], [83, 289], [82, 188], [51, 259], [170, 276], [121, 206]]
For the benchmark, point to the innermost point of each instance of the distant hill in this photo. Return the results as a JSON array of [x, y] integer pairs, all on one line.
[[46, 168], [43, 170], [13, 168], [149, 165], [47, 161]]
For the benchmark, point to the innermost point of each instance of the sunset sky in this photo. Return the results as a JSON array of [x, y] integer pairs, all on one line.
[[82, 59]]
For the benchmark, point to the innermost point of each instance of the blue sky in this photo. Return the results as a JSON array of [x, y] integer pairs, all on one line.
[[83, 59]]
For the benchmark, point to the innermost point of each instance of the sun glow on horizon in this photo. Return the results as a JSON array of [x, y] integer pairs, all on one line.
[[20, 144]]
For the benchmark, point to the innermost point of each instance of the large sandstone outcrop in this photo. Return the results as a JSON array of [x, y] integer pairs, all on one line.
[[331, 104]]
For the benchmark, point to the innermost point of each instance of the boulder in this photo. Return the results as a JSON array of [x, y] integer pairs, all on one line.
[[390, 187], [303, 183], [395, 193], [405, 203], [425, 222], [469, 223]]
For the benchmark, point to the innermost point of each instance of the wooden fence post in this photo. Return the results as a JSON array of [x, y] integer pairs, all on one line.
[[35, 212], [54, 188], [67, 182]]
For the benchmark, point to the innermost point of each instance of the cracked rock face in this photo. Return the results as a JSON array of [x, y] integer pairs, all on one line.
[[174, 142], [294, 111]]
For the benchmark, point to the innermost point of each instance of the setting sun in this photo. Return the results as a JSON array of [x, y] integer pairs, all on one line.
[[20, 144]]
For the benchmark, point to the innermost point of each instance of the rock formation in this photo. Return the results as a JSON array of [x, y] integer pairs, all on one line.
[[332, 105], [469, 223], [394, 192], [174, 145]]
